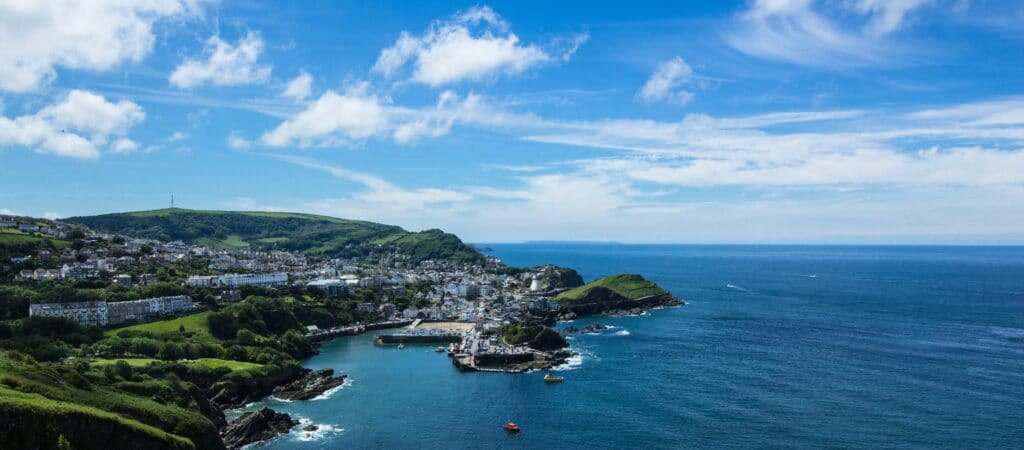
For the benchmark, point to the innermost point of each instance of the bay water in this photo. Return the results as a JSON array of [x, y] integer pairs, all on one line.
[[778, 346]]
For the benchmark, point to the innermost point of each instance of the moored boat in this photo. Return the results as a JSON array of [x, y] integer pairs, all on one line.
[[439, 349], [549, 378], [511, 427]]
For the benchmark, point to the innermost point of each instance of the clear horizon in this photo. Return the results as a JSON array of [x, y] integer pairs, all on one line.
[[791, 122]]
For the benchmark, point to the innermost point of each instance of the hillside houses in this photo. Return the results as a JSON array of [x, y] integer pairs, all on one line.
[[102, 313]]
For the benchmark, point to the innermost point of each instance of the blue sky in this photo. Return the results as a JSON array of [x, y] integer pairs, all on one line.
[[775, 121]]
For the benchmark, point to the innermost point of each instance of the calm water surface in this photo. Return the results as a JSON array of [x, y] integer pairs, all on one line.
[[780, 346]]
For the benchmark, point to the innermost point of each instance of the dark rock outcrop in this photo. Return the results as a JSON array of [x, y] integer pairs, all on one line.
[[593, 327], [571, 329], [309, 385], [601, 300], [256, 426]]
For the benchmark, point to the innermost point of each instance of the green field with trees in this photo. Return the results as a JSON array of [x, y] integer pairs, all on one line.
[[311, 234]]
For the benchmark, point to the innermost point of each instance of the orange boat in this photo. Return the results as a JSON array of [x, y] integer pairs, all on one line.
[[511, 427]]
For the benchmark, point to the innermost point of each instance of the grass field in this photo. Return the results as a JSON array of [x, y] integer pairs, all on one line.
[[15, 236], [194, 323], [272, 240], [134, 362], [205, 362]]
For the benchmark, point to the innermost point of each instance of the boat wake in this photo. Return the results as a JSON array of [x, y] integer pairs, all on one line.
[[735, 287]]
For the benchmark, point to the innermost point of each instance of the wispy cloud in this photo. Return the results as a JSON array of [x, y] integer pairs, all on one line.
[[667, 81], [802, 32]]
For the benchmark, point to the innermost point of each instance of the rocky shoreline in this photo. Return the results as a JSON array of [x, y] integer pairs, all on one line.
[[264, 424], [310, 385], [610, 304], [256, 426]]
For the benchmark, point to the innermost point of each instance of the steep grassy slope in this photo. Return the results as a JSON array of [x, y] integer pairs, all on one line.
[[38, 401], [312, 234]]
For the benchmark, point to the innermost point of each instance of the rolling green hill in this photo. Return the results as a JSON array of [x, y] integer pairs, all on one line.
[[308, 233], [628, 286]]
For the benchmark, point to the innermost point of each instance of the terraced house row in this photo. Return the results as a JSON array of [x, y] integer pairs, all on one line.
[[102, 313]]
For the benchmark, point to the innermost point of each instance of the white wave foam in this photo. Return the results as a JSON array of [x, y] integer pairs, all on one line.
[[1007, 332], [621, 333], [572, 363], [322, 430], [282, 400], [328, 393]]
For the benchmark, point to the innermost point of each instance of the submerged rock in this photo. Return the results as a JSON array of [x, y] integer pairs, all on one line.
[[256, 426], [571, 329], [309, 385]]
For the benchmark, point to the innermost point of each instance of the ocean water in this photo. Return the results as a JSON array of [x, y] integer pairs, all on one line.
[[779, 346]]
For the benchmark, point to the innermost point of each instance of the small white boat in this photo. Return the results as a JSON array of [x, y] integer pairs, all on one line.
[[401, 346]]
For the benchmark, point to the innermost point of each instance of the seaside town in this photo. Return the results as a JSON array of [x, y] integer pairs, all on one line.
[[484, 295], [235, 320]]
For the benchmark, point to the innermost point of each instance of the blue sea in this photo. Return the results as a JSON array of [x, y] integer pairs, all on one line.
[[778, 346]]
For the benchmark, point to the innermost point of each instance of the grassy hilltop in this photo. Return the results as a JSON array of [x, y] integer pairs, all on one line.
[[307, 233], [628, 286]]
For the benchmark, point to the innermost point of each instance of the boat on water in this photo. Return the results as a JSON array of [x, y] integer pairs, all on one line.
[[511, 427], [401, 346], [439, 349], [549, 378]]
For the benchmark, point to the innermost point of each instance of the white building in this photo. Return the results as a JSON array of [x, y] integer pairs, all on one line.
[[254, 279], [85, 313], [203, 281]]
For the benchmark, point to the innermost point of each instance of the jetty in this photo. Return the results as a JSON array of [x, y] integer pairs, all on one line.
[[352, 330], [480, 354], [428, 333]]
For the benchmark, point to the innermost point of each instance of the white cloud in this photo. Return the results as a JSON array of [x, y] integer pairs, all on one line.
[[356, 114], [473, 45], [177, 136], [75, 127], [124, 146], [51, 215], [37, 37], [224, 64], [300, 88], [665, 83], [795, 31], [237, 142]]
